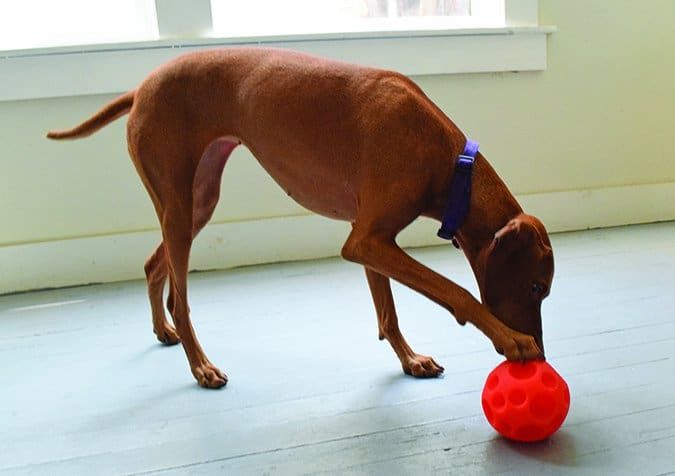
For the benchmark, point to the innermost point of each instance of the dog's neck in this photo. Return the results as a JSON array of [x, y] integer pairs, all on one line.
[[492, 206]]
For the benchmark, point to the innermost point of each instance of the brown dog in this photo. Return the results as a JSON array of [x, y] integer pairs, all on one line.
[[348, 142]]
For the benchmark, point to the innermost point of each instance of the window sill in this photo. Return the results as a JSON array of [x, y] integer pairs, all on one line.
[[112, 68]]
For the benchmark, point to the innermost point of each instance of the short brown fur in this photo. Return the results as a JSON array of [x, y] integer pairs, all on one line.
[[348, 142]]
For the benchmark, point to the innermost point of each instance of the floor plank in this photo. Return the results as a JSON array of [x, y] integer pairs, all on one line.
[[87, 390]]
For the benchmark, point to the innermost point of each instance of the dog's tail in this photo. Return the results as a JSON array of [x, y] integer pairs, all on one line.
[[111, 111]]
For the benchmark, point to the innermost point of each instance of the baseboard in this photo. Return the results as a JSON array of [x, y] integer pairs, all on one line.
[[224, 245], [602, 207]]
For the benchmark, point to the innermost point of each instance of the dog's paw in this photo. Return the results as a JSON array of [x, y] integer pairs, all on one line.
[[167, 335], [209, 376], [516, 346], [422, 366]]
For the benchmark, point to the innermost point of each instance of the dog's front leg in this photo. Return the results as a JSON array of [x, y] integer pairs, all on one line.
[[381, 253], [413, 364]]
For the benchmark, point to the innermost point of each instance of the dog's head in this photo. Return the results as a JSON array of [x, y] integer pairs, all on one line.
[[516, 275]]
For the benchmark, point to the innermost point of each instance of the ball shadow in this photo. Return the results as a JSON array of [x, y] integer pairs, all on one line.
[[558, 450]]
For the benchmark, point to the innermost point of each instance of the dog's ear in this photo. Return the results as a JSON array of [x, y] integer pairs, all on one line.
[[514, 231], [520, 231], [507, 232]]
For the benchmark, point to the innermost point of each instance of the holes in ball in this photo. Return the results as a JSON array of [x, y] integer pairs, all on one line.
[[517, 396], [498, 400], [522, 371], [492, 382], [542, 406], [549, 380]]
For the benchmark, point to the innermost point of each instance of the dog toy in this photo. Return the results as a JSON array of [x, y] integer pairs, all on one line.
[[525, 401]]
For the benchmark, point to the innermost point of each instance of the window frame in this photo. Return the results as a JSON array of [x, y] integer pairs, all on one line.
[[520, 45]]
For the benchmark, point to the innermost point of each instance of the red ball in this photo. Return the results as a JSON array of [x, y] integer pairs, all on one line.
[[525, 401]]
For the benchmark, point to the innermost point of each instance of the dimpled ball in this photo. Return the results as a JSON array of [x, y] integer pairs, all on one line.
[[525, 401]]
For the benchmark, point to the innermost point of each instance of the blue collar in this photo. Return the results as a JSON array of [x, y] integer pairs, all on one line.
[[459, 194]]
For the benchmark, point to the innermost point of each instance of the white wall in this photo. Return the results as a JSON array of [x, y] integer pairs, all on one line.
[[586, 143]]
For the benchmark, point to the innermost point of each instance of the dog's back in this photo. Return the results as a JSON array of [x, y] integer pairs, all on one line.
[[307, 120]]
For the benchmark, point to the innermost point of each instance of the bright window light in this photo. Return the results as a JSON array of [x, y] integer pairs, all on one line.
[[43, 23], [287, 17]]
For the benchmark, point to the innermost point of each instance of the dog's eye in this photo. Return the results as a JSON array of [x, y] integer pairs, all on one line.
[[538, 289]]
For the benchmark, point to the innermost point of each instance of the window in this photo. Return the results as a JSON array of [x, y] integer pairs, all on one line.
[[108, 46], [275, 17], [26, 24], [41, 23]]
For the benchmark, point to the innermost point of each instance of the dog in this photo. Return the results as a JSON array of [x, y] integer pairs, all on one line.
[[348, 142]]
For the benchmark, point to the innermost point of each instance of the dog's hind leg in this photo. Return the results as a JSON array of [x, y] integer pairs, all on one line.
[[177, 232], [413, 364], [205, 191], [156, 271], [168, 165]]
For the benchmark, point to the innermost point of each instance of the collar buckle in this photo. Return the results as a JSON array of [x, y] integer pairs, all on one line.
[[464, 164]]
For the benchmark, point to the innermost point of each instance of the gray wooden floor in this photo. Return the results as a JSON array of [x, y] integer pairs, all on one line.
[[86, 389]]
